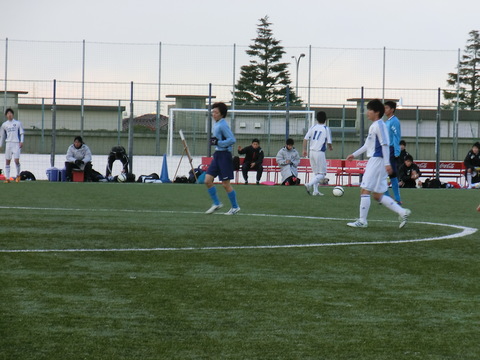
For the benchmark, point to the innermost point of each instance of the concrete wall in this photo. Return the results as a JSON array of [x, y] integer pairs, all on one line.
[[69, 117]]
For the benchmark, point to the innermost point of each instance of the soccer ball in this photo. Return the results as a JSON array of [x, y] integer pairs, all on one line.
[[122, 178], [338, 191]]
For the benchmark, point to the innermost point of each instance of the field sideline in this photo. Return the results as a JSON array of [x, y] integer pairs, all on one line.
[[250, 286]]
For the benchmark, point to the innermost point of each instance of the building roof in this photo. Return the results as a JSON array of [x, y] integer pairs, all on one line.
[[147, 120]]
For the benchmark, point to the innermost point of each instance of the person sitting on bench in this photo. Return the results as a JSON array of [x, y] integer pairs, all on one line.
[[79, 157], [253, 159]]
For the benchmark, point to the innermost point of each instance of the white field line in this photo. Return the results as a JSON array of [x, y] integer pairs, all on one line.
[[464, 231]]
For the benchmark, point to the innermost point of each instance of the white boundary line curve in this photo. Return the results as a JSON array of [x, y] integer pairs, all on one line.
[[465, 231]]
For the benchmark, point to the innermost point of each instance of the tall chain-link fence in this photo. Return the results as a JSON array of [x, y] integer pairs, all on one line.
[[94, 96]]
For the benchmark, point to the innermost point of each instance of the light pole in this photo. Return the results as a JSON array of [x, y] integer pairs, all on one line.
[[297, 61]]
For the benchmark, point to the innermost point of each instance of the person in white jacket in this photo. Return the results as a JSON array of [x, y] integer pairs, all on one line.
[[12, 134], [288, 160], [79, 156]]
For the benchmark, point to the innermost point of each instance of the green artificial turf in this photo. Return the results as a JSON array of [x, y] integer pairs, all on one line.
[[220, 287]]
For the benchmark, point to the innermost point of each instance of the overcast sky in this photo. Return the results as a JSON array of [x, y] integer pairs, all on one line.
[[406, 24]]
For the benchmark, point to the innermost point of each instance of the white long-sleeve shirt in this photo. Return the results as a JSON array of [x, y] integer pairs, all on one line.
[[377, 143], [11, 131]]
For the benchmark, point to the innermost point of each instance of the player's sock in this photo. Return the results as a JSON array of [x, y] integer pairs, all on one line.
[[469, 179], [7, 171], [391, 204], [316, 180], [213, 194], [396, 189], [232, 195], [18, 169], [315, 188], [364, 207]]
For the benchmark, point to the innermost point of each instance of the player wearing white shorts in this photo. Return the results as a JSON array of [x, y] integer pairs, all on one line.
[[378, 167], [320, 137], [12, 133]]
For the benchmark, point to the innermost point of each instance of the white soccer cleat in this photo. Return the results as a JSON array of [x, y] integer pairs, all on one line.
[[233, 211], [214, 208], [318, 193], [308, 189], [358, 224], [403, 218]]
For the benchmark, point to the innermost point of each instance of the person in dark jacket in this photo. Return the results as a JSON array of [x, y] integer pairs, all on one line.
[[403, 153], [117, 153], [472, 165], [253, 159], [408, 173]]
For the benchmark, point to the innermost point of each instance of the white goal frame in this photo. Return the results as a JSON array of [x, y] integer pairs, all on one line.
[[309, 113]]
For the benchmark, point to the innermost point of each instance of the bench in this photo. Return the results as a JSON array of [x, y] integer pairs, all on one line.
[[266, 164], [447, 169], [347, 169], [272, 170]]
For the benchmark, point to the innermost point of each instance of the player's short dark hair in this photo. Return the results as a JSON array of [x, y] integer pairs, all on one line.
[[321, 117], [255, 140], [477, 144], [9, 110], [408, 157], [221, 107], [290, 141], [376, 106], [402, 142], [79, 138], [391, 104]]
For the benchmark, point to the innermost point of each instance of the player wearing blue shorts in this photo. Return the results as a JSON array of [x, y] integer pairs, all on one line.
[[378, 166], [222, 164], [394, 134]]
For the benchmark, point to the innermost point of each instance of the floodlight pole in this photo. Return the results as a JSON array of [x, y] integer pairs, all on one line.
[[297, 61]]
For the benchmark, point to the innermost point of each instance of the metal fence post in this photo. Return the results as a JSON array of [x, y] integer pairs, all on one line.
[[42, 142], [209, 120], [437, 138], [6, 75], [362, 119], [130, 131], [119, 121], [82, 106], [343, 130], [158, 114], [417, 121], [232, 125], [54, 124], [287, 115]]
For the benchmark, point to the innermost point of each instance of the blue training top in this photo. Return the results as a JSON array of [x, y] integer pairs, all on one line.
[[225, 136], [394, 133]]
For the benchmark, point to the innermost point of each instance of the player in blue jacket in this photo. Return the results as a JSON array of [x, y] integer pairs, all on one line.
[[222, 164], [395, 134]]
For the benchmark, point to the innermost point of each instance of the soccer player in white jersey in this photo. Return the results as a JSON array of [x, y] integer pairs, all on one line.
[[320, 138], [378, 166], [12, 133]]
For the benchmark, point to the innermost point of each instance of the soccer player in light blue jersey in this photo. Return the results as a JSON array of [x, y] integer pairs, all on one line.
[[222, 164], [395, 134], [378, 166]]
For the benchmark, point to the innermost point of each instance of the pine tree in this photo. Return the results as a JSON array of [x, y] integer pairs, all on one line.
[[469, 79], [265, 79]]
